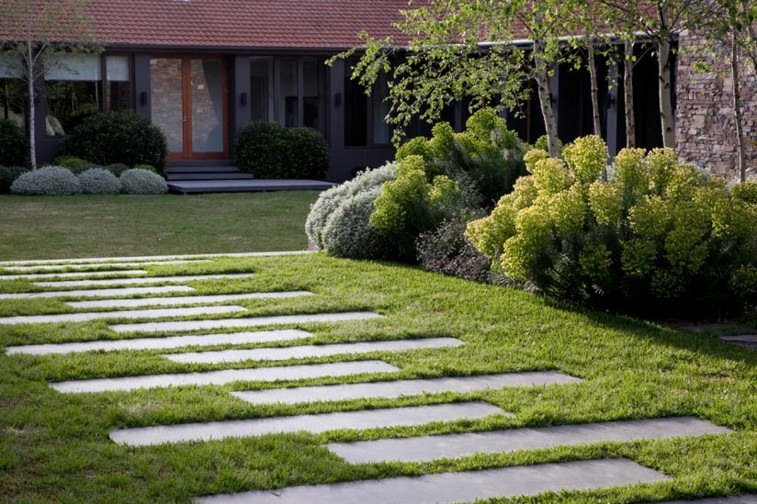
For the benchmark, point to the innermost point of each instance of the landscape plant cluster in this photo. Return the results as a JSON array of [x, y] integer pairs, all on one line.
[[384, 213], [269, 150], [652, 236], [61, 181]]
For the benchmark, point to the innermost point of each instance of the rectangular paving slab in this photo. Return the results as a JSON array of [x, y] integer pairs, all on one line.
[[137, 314], [426, 448], [63, 266], [743, 338], [459, 486], [163, 258], [125, 291], [142, 280], [196, 325], [323, 422], [267, 374], [399, 388], [74, 274], [735, 499], [304, 352], [159, 343], [168, 301]]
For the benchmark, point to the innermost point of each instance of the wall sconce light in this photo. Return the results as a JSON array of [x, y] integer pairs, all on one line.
[[143, 98], [243, 99], [337, 100]]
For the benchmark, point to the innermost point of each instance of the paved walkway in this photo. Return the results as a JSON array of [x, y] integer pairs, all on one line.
[[444, 487]]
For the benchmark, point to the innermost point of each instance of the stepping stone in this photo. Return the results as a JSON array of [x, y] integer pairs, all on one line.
[[143, 280], [460, 486], [190, 257], [736, 499], [51, 267], [126, 291], [138, 314], [222, 377], [195, 325], [303, 352], [400, 388], [164, 301], [427, 448], [74, 274], [744, 338], [159, 343], [323, 422]]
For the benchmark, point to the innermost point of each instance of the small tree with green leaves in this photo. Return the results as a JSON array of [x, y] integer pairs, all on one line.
[[34, 31]]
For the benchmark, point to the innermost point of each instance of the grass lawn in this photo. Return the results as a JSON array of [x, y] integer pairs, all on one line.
[[100, 226], [55, 447]]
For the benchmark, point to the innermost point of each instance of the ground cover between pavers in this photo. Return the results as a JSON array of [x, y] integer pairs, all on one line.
[[124, 291], [142, 280], [97, 267], [177, 300], [135, 314]]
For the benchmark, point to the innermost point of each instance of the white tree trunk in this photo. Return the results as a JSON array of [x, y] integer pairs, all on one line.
[[32, 119], [666, 100], [541, 75], [594, 91], [628, 95]]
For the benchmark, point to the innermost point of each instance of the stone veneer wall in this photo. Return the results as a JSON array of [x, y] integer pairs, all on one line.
[[705, 121]]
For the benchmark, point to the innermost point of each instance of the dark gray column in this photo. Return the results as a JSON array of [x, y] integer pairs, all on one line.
[[239, 95], [141, 81], [335, 76], [612, 111]]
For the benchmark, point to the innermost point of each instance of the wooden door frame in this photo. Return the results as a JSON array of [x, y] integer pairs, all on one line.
[[186, 107]]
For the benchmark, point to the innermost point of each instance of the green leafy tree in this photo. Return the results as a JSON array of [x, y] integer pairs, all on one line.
[[35, 31], [467, 48]]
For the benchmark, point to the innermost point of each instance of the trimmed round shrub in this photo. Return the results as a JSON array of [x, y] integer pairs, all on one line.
[[14, 146], [329, 201], [48, 181], [8, 174], [118, 168], [117, 137], [99, 181], [348, 232], [268, 150], [658, 238], [138, 181], [75, 164]]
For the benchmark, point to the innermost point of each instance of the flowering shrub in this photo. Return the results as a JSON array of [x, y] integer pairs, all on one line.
[[99, 181], [48, 181], [329, 202], [138, 181], [658, 236]]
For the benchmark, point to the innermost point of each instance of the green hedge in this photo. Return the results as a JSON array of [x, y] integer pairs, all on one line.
[[268, 150], [117, 137], [14, 146]]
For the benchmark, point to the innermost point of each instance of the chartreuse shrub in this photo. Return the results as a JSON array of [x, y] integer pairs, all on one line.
[[117, 137], [324, 211], [485, 159], [48, 181], [14, 146], [268, 150], [658, 237], [75, 164], [99, 181], [138, 181]]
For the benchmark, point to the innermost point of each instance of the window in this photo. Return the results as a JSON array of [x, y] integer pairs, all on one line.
[[12, 90], [365, 116], [261, 89], [72, 89], [118, 91]]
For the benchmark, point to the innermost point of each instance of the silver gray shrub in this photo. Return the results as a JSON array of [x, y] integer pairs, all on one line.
[[48, 181], [348, 231], [99, 181], [139, 181], [331, 200]]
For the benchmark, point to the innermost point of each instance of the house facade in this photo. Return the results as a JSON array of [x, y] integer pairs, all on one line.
[[202, 69]]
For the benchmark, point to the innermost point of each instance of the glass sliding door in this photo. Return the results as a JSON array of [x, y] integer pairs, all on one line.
[[207, 105]]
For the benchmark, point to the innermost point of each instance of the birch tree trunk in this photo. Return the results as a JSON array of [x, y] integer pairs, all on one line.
[[541, 75], [737, 105], [628, 95], [666, 101], [594, 90], [30, 90]]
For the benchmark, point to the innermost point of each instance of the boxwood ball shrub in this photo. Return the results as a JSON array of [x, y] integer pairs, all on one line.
[[99, 181], [48, 181], [117, 137], [331, 200], [14, 146], [75, 164], [268, 150], [658, 238], [8, 174], [138, 181]]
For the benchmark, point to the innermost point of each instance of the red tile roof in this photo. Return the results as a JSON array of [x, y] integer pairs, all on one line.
[[248, 24]]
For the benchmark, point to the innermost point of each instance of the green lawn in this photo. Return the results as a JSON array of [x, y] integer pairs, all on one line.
[[106, 226], [55, 447]]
